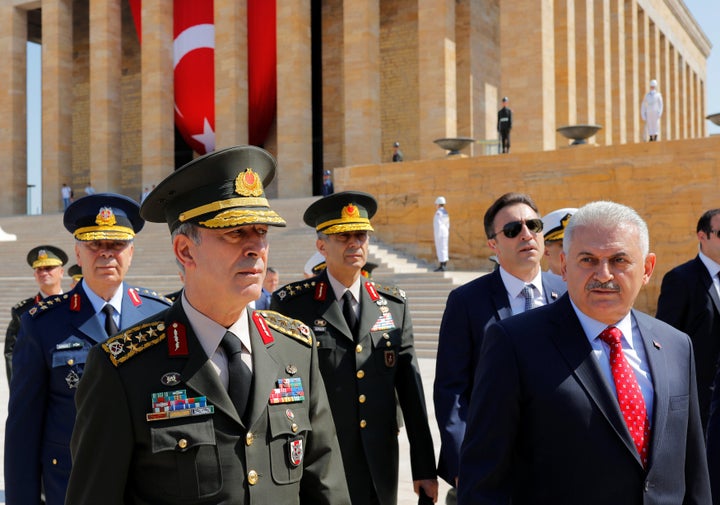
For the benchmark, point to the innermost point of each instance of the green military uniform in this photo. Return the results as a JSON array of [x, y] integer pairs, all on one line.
[[367, 375], [283, 455], [156, 424]]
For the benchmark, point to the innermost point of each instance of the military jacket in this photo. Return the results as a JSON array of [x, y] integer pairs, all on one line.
[[365, 378], [48, 362], [14, 327], [156, 426]]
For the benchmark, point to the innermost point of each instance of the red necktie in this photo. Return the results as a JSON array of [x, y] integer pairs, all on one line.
[[630, 398]]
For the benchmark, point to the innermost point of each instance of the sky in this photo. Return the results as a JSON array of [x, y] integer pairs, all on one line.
[[705, 12]]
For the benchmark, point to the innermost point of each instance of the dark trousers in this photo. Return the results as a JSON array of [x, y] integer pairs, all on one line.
[[505, 140]]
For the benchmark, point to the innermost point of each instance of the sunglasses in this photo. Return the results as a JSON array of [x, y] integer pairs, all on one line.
[[513, 228], [714, 232]]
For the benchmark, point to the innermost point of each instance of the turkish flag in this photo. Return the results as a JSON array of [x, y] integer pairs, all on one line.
[[194, 69]]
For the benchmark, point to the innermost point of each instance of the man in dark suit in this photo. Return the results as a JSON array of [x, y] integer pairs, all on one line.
[[713, 441], [209, 402], [690, 301], [587, 400], [366, 351], [514, 233], [55, 338], [47, 263]]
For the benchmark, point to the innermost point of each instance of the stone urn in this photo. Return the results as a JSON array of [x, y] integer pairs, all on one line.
[[579, 133], [454, 145], [715, 118]]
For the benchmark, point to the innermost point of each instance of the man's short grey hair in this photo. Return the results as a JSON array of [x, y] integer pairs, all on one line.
[[604, 215], [189, 230]]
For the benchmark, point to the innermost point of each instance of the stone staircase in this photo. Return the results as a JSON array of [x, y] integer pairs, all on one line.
[[154, 265]]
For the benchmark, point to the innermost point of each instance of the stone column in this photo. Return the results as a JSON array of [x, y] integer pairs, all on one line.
[[674, 90], [105, 72], [361, 77], [684, 91], [617, 47], [565, 68], [644, 43], [632, 110], [437, 70], [603, 72], [294, 99], [528, 71], [692, 103], [57, 100], [585, 51], [13, 141], [231, 73], [666, 86], [158, 102]]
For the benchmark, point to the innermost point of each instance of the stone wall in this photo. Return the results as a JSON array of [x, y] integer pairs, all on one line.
[[669, 183]]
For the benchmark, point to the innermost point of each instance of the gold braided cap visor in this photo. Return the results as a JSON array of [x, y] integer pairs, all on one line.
[[90, 233], [236, 212], [557, 234], [335, 226], [47, 262]]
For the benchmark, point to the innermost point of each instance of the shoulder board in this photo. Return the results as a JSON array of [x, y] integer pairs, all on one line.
[[393, 291], [133, 341], [287, 326], [296, 288], [24, 302], [151, 294], [49, 303]]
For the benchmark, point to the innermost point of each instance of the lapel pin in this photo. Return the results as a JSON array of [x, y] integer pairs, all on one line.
[[657, 344]]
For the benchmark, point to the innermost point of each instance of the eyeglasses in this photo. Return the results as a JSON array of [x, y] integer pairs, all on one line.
[[106, 245], [714, 232], [513, 228]]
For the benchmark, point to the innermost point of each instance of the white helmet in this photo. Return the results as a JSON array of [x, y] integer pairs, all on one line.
[[440, 200], [653, 83]]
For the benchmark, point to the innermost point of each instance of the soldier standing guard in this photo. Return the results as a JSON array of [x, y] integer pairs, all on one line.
[[209, 402], [47, 263], [55, 338], [366, 351], [504, 125]]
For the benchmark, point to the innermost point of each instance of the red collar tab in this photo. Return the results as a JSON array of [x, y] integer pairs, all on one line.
[[370, 287], [262, 327], [134, 297], [320, 291], [75, 302], [38, 298], [177, 340]]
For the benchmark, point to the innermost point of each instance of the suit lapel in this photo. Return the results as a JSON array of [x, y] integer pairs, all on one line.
[[500, 296], [331, 312], [659, 373], [548, 293], [707, 283], [369, 311], [570, 340], [266, 369], [86, 320]]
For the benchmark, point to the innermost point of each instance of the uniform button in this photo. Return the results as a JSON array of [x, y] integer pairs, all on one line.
[[363, 423], [71, 362], [361, 398], [386, 336], [252, 477], [249, 438], [182, 443], [54, 461], [358, 348], [360, 374], [388, 344], [294, 427]]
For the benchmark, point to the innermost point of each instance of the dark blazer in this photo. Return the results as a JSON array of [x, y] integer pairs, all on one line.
[[469, 310], [48, 361], [713, 441], [14, 327], [689, 302], [363, 380], [545, 428], [286, 453]]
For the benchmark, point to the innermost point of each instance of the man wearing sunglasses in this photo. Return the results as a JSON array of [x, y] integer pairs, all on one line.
[[690, 301], [514, 234]]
